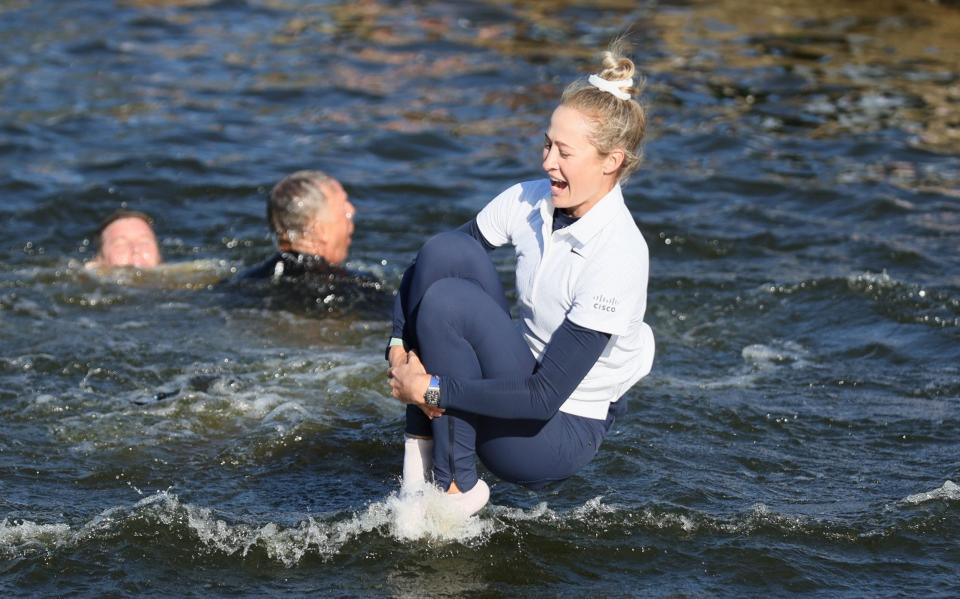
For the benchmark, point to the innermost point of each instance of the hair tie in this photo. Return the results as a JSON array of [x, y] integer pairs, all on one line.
[[611, 87]]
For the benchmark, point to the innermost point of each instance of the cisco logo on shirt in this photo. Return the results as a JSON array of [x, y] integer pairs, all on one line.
[[605, 304]]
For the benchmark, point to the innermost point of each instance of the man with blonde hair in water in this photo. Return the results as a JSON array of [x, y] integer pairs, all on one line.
[[312, 222]]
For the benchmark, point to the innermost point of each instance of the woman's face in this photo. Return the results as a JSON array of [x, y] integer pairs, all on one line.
[[579, 175]]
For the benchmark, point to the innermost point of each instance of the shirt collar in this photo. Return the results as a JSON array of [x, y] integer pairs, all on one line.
[[591, 223]]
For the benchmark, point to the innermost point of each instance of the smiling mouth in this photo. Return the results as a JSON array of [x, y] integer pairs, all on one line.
[[558, 185]]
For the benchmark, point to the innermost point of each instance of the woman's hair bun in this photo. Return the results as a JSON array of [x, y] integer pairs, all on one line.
[[616, 65]]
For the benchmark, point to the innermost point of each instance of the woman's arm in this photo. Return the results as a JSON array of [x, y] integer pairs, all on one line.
[[473, 230], [572, 352]]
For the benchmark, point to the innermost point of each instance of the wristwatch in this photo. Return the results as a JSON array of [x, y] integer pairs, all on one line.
[[432, 396]]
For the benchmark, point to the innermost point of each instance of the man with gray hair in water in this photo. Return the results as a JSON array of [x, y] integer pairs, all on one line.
[[312, 221]]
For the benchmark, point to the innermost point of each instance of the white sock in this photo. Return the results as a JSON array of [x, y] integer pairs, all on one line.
[[473, 500], [417, 461]]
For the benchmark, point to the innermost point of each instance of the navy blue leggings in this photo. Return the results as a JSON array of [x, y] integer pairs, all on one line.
[[458, 320]]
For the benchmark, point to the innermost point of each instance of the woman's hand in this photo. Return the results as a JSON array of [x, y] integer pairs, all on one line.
[[409, 382]]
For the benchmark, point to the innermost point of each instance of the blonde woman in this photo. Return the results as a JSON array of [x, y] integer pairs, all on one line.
[[532, 399]]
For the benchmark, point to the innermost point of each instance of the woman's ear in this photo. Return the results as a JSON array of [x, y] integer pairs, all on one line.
[[613, 161]]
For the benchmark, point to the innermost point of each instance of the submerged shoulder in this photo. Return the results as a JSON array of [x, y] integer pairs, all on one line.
[[263, 270]]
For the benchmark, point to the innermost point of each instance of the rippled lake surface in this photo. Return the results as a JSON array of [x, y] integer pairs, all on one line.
[[163, 435]]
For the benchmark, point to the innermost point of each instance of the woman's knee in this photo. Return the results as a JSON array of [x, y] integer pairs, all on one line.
[[454, 250], [450, 299]]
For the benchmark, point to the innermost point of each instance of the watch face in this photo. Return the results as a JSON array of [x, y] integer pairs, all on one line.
[[432, 395]]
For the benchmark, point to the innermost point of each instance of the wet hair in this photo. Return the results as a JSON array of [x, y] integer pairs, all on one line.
[[294, 202], [118, 215], [617, 124]]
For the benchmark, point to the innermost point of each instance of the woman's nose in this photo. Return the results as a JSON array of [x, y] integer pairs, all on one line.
[[549, 159]]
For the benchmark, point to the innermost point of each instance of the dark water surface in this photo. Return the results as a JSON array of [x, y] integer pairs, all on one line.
[[162, 436]]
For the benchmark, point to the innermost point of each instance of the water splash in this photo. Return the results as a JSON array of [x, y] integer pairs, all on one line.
[[422, 515], [950, 491], [425, 513], [26, 536], [776, 353]]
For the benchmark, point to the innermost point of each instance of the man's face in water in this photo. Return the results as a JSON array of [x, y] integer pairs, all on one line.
[[335, 227], [128, 241]]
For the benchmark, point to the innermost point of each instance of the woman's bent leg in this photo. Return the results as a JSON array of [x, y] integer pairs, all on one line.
[[464, 333], [534, 454], [447, 255], [451, 254]]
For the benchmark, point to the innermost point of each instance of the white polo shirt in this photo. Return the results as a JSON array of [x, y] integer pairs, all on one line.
[[593, 272]]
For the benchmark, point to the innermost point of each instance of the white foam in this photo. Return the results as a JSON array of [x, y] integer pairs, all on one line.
[[538, 512], [950, 491], [595, 508], [424, 512], [26, 536], [760, 515], [544, 513], [742, 381], [767, 356], [591, 507], [593, 512], [423, 515], [276, 395], [668, 520]]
